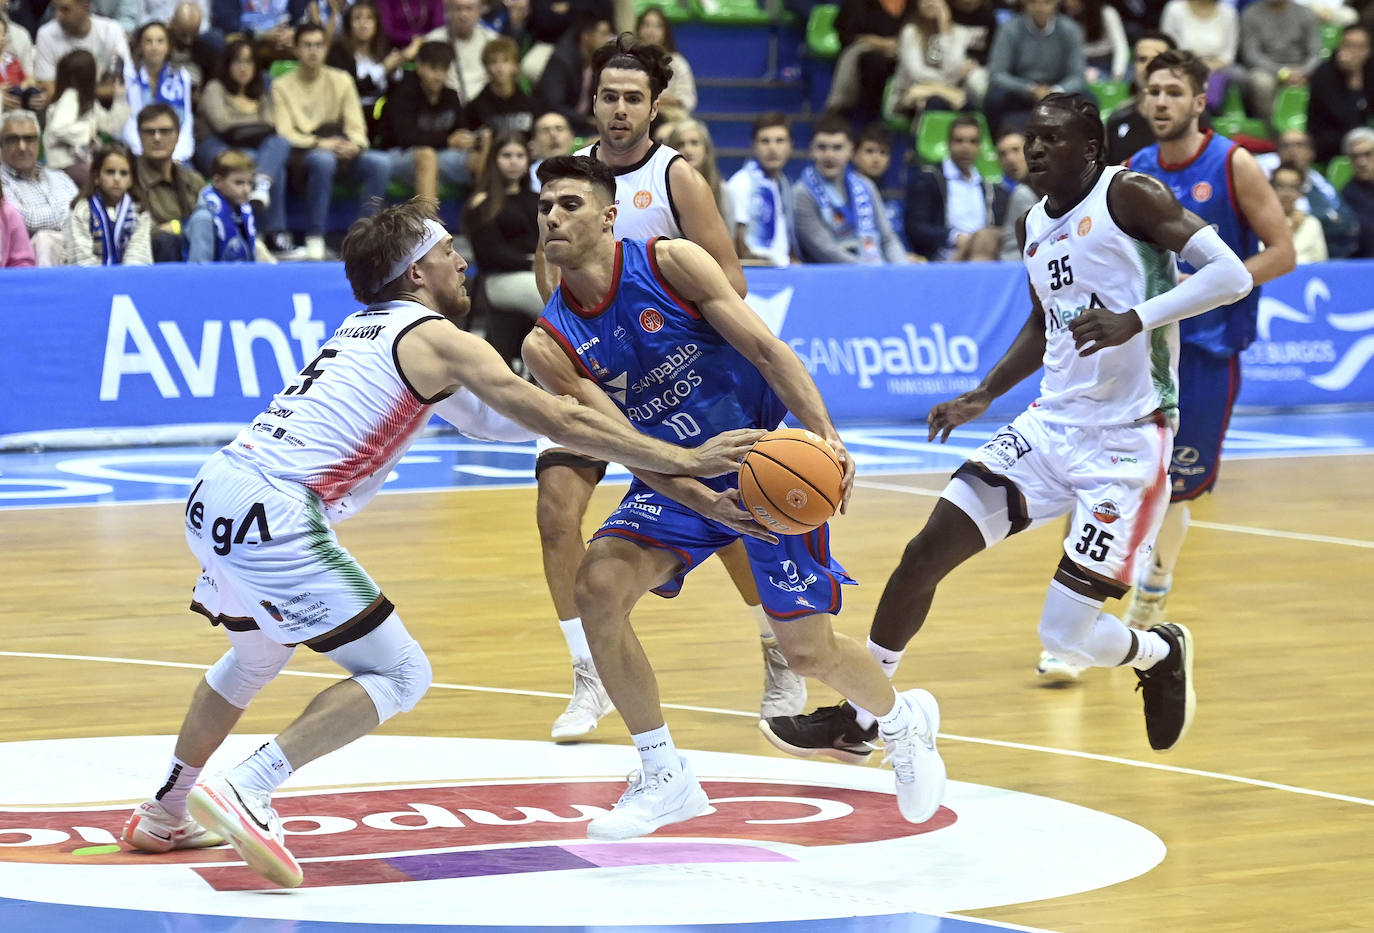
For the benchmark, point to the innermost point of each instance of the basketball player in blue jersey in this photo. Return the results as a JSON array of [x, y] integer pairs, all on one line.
[[653, 333], [1099, 253], [657, 194]]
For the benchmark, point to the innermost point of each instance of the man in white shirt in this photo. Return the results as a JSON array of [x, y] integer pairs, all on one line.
[[469, 35], [74, 26], [951, 210], [765, 227]]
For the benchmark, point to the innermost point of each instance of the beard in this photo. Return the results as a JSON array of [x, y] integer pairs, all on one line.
[[1176, 130], [454, 306]]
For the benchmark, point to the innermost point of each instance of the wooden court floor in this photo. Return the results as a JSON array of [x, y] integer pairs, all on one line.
[[1267, 808]]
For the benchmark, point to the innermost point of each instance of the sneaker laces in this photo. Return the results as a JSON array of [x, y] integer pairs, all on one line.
[[775, 668], [586, 687], [640, 784], [900, 749]]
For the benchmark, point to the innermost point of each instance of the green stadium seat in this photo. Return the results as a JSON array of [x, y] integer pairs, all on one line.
[[282, 66], [675, 11], [1234, 104], [932, 141], [822, 40], [1109, 94], [896, 122], [1290, 109], [1331, 37], [1339, 171], [1231, 126], [733, 12]]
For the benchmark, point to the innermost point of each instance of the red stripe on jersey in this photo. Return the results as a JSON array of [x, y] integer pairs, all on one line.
[[681, 302], [566, 344], [386, 438]]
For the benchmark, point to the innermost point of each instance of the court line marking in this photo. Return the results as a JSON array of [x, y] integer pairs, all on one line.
[[1210, 526], [974, 740]]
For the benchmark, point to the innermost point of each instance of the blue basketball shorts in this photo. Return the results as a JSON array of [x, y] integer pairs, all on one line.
[[1208, 386], [796, 577]]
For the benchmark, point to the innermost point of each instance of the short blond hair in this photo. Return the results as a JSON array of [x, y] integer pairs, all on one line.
[[230, 161], [375, 244]]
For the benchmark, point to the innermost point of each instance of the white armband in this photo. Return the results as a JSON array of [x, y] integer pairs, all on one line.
[[1221, 278], [476, 418]]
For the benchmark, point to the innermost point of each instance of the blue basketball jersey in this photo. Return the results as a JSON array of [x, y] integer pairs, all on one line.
[[653, 353], [1204, 186]]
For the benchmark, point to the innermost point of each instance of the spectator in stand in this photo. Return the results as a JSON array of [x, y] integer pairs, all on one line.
[[77, 119], [271, 24], [1021, 200], [765, 224], [549, 21], [1341, 86], [1359, 193], [868, 56], [1011, 157], [693, 140], [316, 108], [465, 30], [566, 85], [1210, 29], [1142, 16], [838, 211], [107, 226], [872, 158], [43, 196], [953, 214], [152, 79], [502, 107], [511, 19], [74, 26], [980, 23], [405, 21], [1319, 198], [552, 136], [236, 113], [127, 13], [1128, 129], [165, 187], [653, 28], [15, 249], [1034, 54], [1309, 243], [502, 223], [192, 48], [1105, 49], [427, 135], [933, 65], [366, 53], [1281, 44], [16, 75], [221, 228]]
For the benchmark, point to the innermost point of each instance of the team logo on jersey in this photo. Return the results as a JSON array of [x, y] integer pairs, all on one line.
[[794, 582], [651, 320], [1061, 238], [1106, 511], [272, 610], [1030, 251], [1202, 192], [643, 199], [1085, 225]]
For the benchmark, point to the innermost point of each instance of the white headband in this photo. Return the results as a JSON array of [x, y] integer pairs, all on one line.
[[434, 232]]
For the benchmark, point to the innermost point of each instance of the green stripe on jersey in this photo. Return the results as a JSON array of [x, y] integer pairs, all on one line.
[[327, 551]]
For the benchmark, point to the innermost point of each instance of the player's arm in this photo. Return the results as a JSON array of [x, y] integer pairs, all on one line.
[[1023, 358], [693, 275], [549, 364], [437, 359], [1260, 209], [1150, 212], [701, 221]]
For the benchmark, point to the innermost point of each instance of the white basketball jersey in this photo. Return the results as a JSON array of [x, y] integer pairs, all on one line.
[[644, 206], [1083, 260], [350, 416]]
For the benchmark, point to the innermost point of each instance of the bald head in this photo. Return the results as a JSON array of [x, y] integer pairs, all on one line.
[[185, 22]]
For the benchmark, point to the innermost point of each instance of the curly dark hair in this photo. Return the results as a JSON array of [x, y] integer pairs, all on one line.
[[627, 52]]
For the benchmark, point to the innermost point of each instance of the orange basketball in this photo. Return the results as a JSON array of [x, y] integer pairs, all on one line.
[[791, 481]]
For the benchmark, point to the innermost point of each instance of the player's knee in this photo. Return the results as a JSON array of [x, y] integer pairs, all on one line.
[[599, 589], [398, 684], [236, 680]]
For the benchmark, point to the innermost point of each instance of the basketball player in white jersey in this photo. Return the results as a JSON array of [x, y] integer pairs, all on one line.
[[1099, 249], [657, 194], [274, 575]]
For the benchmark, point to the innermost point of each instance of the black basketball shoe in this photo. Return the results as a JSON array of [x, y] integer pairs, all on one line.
[[1167, 689], [831, 730]]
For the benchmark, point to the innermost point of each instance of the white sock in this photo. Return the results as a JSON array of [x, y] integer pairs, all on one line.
[[181, 777], [656, 750], [898, 719], [764, 623], [263, 771], [576, 639], [888, 660], [1150, 649]]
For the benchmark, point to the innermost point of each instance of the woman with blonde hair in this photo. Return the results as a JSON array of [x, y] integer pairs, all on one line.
[[933, 67], [693, 140]]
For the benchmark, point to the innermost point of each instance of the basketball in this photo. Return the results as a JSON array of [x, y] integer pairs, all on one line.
[[791, 481]]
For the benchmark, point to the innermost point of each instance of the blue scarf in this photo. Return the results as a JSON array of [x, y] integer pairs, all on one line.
[[171, 89], [855, 217], [765, 207], [235, 231], [109, 238]]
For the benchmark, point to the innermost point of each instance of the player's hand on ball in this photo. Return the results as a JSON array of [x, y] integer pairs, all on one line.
[[837, 445], [947, 416], [1098, 328], [725, 508], [722, 453]]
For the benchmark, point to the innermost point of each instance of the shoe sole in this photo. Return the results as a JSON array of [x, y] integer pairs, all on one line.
[[1058, 675], [570, 736], [930, 709], [695, 805], [839, 754], [131, 837], [267, 857], [1185, 643]]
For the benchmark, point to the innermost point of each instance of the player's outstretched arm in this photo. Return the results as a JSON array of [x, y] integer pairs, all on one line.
[[437, 358], [1151, 213], [693, 275], [702, 223]]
